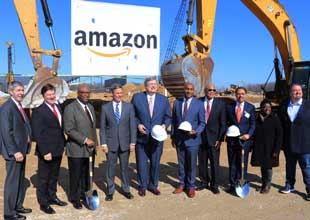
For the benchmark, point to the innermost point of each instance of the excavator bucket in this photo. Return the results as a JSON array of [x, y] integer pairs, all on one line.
[[43, 76], [176, 72]]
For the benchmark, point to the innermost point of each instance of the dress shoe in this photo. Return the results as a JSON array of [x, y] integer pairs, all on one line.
[[128, 195], [231, 190], [109, 197], [77, 205], [155, 191], [202, 186], [215, 190], [191, 193], [14, 217], [178, 190], [265, 189], [141, 192], [47, 209], [308, 196], [23, 210], [58, 202]]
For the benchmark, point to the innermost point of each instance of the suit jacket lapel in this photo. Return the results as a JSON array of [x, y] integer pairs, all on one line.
[[300, 110], [82, 111], [111, 112], [146, 103], [123, 111], [51, 114]]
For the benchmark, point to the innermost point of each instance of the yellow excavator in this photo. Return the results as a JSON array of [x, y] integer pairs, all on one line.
[[27, 13], [196, 65]]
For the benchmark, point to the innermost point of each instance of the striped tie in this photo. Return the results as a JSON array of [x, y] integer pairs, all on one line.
[[117, 113]]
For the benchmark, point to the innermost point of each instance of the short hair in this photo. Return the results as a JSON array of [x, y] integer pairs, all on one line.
[[14, 84], [241, 87], [81, 86], [46, 88], [207, 87], [150, 78], [115, 86], [295, 84], [264, 102]]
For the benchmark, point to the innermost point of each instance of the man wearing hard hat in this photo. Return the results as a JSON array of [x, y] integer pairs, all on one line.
[[188, 122], [241, 125]]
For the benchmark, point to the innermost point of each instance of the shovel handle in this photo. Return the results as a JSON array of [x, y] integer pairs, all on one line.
[[90, 172]]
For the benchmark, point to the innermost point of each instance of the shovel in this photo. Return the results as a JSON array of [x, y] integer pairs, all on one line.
[[91, 195], [242, 189]]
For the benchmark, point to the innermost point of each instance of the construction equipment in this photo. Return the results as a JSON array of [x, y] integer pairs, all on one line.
[[9, 76], [27, 13], [196, 65]]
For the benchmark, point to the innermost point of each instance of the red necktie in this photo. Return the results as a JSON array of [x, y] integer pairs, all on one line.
[[208, 110], [55, 112], [20, 108]]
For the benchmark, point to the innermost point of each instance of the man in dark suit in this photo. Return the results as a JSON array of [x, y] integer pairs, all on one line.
[[80, 127], [212, 138], [118, 132], [295, 117], [15, 136], [151, 108], [187, 143], [242, 115], [50, 140]]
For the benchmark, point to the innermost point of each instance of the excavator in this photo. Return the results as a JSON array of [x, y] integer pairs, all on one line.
[[27, 13], [10, 75], [196, 65]]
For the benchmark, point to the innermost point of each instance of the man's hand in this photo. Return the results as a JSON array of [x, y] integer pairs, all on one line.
[[142, 129], [164, 126], [132, 147], [48, 156], [173, 143], [89, 142], [274, 155], [19, 156], [105, 148], [218, 145], [192, 133], [245, 137]]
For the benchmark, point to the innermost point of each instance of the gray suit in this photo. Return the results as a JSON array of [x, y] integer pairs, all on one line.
[[15, 136], [78, 127], [118, 137]]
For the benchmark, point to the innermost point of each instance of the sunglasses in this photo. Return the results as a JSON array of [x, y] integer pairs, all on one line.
[[211, 90]]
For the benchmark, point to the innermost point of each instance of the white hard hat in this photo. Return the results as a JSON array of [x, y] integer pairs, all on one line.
[[185, 126], [159, 133], [233, 131]]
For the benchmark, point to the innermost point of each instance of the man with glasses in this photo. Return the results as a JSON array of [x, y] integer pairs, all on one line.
[[212, 138]]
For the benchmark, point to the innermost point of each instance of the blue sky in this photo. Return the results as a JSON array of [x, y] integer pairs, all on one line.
[[242, 48]]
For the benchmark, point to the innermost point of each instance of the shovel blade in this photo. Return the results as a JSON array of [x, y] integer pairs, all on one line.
[[92, 199], [243, 191]]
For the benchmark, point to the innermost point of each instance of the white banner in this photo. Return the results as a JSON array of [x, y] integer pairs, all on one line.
[[114, 39]]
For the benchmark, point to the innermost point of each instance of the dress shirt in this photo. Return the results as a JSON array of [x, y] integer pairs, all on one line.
[[293, 109]]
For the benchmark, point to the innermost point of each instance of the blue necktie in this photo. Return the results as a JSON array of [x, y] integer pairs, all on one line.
[[117, 113]]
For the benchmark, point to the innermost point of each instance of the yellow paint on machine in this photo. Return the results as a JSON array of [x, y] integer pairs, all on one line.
[[125, 51]]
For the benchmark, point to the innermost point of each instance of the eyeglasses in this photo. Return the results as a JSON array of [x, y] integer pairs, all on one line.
[[211, 90]]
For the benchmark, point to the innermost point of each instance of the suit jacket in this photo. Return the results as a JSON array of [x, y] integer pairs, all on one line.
[[47, 131], [161, 113], [14, 131], [216, 125], [118, 135], [195, 116], [78, 127], [296, 136], [247, 121]]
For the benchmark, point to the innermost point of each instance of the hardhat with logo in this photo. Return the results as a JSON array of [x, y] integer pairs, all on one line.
[[185, 126], [233, 131], [159, 133]]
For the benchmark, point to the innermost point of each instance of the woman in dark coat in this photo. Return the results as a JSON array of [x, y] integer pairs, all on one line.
[[267, 144]]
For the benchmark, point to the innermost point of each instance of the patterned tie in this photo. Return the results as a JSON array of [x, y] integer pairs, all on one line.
[[88, 115], [117, 113], [208, 110], [239, 113], [20, 108], [151, 106], [55, 112], [185, 108]]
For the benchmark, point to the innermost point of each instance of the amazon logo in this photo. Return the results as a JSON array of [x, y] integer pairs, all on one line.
[[124, 42]]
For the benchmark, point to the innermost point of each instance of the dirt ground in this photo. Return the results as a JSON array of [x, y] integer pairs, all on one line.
[[205, 205]]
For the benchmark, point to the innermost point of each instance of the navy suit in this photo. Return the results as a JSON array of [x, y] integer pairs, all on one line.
[[234, 148], [15, 136], [187, 146], [147, 147]]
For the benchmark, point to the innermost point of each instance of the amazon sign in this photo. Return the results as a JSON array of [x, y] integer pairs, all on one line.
[[114, 39]]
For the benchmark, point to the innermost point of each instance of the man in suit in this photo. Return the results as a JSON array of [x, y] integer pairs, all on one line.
[[118, 138], [50, 140], [15, 136], [151, 108], [187, 143], [80, 127], [241, 114], [295, 117], [212, 138]]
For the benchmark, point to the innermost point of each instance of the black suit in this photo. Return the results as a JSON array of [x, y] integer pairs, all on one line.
[[15, 135], [48, 134], [214, 131]]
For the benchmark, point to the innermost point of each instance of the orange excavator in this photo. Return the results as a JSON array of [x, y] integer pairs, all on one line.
[[196, 65], [27, 13]]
